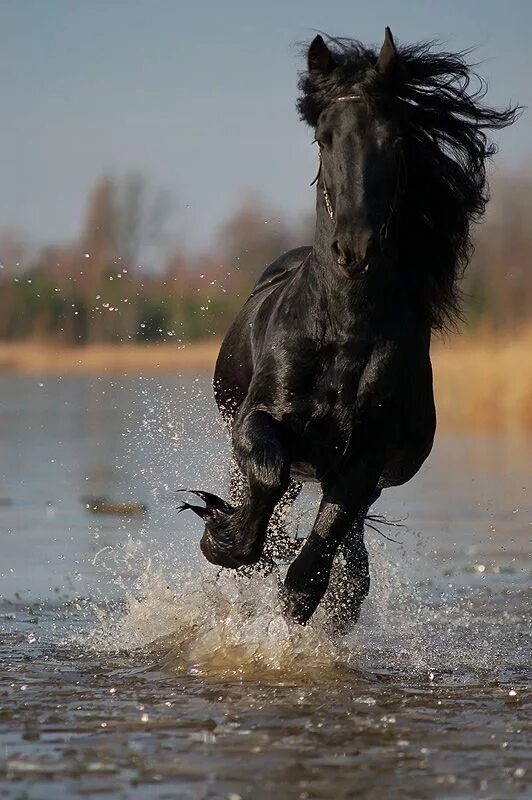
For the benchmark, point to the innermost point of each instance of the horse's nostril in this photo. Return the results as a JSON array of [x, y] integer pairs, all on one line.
[[341, 254]]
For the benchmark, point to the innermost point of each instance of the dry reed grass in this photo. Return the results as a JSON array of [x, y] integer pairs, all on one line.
[[483, 382], [35, 358]]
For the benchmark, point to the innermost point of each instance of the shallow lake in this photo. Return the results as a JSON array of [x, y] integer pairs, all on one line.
[[131, 668]]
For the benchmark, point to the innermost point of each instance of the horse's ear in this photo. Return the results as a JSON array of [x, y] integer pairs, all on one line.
[[388, 59], [320, 58]]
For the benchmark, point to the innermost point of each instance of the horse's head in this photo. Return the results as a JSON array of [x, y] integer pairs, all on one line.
[[360, 152]]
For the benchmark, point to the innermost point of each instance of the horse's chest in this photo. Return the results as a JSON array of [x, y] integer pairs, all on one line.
[[323, 440], [335, 396], [343, 397], [341, 384], [326, 428], [330, 426]]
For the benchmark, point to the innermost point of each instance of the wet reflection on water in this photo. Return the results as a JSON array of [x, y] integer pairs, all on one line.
[[126, 662]]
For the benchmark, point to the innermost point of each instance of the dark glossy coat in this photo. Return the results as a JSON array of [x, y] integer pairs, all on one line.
[[325, 374]]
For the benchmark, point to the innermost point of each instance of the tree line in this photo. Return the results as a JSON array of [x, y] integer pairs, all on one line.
[[92, 290]]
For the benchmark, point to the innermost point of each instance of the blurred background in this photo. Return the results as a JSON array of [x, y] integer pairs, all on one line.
[[153, 162]]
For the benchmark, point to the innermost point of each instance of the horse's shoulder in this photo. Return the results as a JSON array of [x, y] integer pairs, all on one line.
[[283, 266]]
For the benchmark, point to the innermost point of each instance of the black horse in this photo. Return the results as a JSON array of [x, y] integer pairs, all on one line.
[[325, 374]]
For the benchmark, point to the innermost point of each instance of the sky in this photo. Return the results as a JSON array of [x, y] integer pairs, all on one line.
[[198, 96]]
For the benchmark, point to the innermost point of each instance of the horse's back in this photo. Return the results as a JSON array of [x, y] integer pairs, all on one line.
[[281, 268]]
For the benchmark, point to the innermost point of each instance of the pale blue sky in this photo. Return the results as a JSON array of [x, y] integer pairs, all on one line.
[[199, 96]]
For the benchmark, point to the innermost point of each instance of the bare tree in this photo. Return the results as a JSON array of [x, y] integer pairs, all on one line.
[[14, 251], [251, 239], [139, 216]]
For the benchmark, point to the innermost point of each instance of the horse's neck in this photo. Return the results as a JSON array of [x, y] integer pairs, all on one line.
[[343, 297], [357, 307], [321, 249]]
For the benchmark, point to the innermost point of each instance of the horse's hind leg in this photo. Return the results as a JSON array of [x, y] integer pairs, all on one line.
[[349, 581], [235, 536], [343, 505]]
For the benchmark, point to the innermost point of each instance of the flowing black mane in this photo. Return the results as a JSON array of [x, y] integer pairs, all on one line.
[[443, 124]]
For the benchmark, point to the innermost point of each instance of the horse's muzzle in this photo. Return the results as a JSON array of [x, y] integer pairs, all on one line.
[[353, 252]]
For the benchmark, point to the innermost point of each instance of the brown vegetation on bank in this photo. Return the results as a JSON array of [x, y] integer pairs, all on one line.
[[483, 381], [94, 291], [38, 358]]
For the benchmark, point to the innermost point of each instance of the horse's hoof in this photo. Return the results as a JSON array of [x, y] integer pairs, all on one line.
[[297, 607], [226, 540], [301, 601]]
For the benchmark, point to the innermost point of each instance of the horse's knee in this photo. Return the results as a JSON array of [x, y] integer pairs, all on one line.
[[260, 451]]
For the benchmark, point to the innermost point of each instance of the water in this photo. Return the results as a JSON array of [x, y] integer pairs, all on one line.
[[129, 668]]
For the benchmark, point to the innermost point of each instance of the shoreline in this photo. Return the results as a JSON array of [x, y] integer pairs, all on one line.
[[483, 382], [38, 358]]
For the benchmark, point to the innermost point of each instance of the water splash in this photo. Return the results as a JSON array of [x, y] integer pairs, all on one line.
[[219, 624], [213, 623], [197, 620]]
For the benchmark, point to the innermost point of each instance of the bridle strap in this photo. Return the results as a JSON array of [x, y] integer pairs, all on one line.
[[346, 97], [326, 197]]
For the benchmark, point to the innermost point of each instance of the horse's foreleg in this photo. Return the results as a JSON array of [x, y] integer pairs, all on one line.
[[235, 536], [339, 522], [307, 578]]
